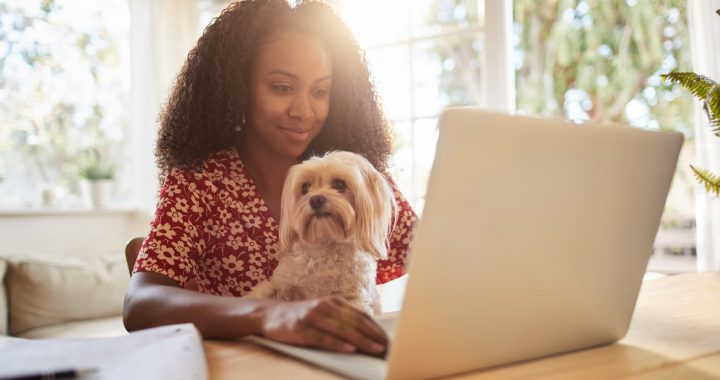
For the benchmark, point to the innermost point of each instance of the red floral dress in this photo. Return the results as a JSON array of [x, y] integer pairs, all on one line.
[[213, 227]]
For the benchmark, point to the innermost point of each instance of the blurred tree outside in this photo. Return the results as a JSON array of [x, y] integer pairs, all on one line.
[[602, 60], [61, 92], [587, 60], [459, 57], [580, 59]]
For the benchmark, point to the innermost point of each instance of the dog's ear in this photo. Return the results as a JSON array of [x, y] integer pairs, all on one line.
[[287, 235], [375, 208]]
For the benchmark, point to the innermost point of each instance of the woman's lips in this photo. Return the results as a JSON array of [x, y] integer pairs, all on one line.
[[298, 134]]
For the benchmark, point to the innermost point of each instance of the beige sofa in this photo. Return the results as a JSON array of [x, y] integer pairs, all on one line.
[[46, 296]]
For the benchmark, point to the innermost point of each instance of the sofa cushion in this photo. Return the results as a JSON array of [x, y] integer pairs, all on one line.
[[89, 328], [3, 299], [49, 290]]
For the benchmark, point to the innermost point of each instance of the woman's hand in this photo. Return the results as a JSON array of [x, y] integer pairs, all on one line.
[[329, 323]]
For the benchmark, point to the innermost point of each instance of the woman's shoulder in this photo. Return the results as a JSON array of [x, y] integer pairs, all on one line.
[[218, 166], [223, 161], [226, 161]]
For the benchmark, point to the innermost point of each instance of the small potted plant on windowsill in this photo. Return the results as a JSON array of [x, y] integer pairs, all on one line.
[[97, 179], [708, 92]]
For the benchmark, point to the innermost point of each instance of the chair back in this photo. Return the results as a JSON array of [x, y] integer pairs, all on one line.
[[132, 249]]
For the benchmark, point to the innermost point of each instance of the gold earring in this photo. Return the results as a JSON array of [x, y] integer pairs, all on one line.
[[238, 128]]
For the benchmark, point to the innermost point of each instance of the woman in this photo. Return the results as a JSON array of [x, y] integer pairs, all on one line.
[[266, 86]]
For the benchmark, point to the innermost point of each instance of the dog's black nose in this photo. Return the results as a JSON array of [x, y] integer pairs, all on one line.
[[317, 201]]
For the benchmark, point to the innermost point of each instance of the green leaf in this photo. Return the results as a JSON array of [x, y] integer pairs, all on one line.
[[93, 166], [708, 179], [713, 108], [698, 85]]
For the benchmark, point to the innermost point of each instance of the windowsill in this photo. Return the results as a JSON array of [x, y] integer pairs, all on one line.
[[69, 211], [672, 264]]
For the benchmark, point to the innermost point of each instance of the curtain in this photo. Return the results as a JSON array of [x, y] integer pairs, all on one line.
[[705, 46], [161, 34]]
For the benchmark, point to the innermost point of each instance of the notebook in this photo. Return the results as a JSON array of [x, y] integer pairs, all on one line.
[[173, 352], [534, 239]]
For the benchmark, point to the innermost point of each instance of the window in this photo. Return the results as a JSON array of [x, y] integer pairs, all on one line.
[[63, 83], [208, 10], [579, 59], [588, 60], [423, 55]]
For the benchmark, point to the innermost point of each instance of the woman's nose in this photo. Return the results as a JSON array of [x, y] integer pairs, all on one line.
[[300, 107]]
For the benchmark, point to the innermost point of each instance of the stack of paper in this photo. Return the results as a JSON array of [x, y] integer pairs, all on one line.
[[169, 352]]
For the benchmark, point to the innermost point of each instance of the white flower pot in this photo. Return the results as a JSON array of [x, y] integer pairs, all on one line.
[[96, 193]]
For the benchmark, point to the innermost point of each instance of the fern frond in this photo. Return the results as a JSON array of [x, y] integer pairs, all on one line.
[[715, 127], [708, 179], [698, 85], [713, 108]]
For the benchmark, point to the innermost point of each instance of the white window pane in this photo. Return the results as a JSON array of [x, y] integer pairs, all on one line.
[[413, 158], [402, 160], [389, 70], [425, 136], [447, 72], [433, 17], [376, 22]]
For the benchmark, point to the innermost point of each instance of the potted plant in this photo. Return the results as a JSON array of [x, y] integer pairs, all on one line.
[[97, 179], [708, 92]]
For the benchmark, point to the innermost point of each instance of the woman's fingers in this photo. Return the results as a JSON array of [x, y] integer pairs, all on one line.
[[364, 322], [331, 324], [315, 337], [347, 323], [346, 332]]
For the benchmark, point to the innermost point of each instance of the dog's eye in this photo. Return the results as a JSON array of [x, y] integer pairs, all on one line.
[[339, 185], [305, 188]]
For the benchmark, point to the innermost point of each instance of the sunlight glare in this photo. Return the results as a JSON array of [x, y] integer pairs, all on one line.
[[377, 22]]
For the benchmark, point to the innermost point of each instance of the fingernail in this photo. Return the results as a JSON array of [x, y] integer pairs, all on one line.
[[377, 347]]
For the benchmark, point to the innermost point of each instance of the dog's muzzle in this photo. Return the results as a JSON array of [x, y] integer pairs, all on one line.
[[317, 202]]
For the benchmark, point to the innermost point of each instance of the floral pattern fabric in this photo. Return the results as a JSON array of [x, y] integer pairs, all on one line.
[[213, 228]]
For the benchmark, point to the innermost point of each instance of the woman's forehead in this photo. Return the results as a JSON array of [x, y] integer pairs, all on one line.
[[294, 55]]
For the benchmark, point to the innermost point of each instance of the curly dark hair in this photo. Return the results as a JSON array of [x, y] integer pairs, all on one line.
[[210, 96]]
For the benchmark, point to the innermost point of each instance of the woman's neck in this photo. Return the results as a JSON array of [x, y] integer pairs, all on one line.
[[267, 170]]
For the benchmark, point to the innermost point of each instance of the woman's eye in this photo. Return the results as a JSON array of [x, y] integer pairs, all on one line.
[[339, 185], [321, 93], [282, 88], [305, 188]]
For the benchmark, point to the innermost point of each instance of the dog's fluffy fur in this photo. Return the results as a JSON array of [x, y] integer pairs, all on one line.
[[336, 213]]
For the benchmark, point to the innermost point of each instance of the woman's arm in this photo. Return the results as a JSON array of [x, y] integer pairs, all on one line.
[[328, 323], [154, 300]]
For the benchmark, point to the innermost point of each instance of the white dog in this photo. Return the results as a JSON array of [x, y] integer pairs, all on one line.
[[336, 214]]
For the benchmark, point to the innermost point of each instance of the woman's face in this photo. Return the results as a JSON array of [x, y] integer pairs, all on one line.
[[289, 94]]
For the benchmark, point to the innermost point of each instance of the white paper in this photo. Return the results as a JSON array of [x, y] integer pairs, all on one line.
[[356, 366], [168, 352]]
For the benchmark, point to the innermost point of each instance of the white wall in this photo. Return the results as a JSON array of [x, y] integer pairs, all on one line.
[[75, 233]]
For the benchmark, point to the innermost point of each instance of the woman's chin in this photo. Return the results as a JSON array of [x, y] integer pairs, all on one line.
[[291, 150]]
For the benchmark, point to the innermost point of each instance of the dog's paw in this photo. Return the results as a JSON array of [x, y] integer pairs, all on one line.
[[261, 290]]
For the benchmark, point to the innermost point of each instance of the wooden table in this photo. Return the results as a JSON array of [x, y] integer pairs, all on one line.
[[674, 334]]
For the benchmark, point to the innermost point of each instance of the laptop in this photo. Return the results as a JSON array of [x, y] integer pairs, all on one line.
[[534, 239]]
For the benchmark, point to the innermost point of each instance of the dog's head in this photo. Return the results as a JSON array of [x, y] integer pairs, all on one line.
[[337, 198]]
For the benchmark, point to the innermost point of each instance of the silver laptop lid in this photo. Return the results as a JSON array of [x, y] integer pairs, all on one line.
[[533, 241]]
